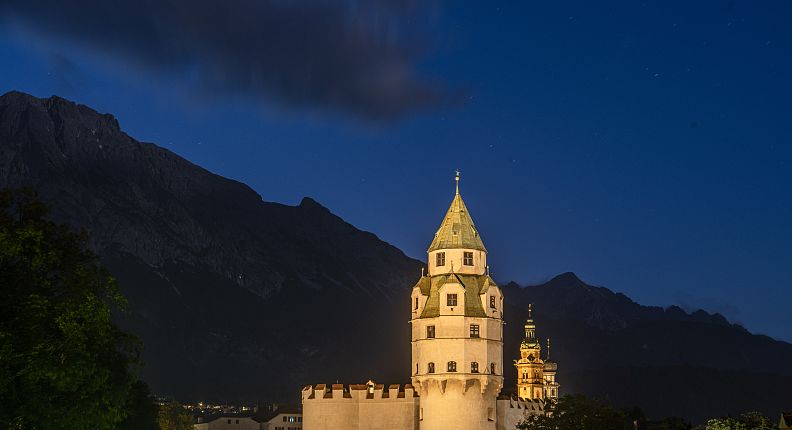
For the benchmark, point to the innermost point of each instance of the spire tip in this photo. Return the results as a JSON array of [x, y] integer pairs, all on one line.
[[457, 181]]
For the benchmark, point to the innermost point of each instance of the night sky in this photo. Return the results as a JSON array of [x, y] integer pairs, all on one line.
[[646, 146]]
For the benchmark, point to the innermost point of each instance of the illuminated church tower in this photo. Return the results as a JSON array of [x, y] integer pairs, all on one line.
[[457, 329], [535, 377]]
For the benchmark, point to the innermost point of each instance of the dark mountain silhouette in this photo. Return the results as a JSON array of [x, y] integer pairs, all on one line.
[[239, 299]]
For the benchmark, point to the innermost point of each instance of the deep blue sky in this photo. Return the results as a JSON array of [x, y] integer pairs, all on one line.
[[646, 146]]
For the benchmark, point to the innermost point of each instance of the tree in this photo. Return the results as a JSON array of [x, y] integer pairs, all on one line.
[[172, 416], [576, 412], [670, 423], [747, 421], [142, 409], [63, 363]]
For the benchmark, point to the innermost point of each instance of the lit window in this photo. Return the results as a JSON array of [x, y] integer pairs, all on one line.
[[430, 331], [492, 302], [452, 366], [474, 330], [474, 367], [451, 299], [468, 259], [440, 259], [431, 368]]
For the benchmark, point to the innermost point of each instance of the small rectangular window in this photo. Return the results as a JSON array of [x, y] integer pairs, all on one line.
[[284, 418], [492, 368], [452, 366], [237, 422], [416, 303], [474, 330], [440, 259], [474, 367], [431, 368], [492, 302], [430, 331], [468, 259], [451, 299]]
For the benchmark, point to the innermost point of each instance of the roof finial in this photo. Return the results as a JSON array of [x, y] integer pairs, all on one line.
[[529, 310], [457, 181], [422, 271], [548, 349]]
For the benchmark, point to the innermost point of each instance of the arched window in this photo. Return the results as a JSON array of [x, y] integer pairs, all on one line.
[[474, 367], [431, 368], [452, 366]]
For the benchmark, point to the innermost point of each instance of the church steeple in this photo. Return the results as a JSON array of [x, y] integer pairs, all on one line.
[[530, 366]]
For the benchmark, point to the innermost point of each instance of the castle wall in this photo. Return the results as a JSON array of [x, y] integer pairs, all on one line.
[[359, 407], [512, 411]]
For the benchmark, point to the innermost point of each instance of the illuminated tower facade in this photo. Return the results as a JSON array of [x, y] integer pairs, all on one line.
[[530, 366], [457, 329]]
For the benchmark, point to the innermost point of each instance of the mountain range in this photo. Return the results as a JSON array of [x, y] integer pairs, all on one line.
[[238, 299]]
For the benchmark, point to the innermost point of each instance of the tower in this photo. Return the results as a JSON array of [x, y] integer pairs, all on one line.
[[530, 367], [550, 383], [457, 329]]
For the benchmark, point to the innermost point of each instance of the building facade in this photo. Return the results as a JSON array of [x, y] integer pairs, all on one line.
[[536, 378], [457, 352]]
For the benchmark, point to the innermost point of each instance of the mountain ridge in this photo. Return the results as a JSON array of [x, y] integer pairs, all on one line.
[[239, 299]]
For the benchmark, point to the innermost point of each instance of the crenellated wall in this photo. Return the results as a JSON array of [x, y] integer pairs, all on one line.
[[513, 410], [360, 407]]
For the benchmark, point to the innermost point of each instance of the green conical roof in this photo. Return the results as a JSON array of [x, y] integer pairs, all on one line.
[[457, 229]]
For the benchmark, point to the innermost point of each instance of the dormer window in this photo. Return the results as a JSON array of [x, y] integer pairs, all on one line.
[[468, 259], [440, 259], [451, 299]]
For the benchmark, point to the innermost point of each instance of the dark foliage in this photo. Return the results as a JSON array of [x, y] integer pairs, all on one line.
[[142, 409], [63, 364]]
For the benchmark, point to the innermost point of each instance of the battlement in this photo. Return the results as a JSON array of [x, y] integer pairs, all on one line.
[[513, 402], [358, 392]]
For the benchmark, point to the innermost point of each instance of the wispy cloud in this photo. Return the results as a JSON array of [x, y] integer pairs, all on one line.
[[355, 56]]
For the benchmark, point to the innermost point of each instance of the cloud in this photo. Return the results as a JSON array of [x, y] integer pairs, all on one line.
[[353, 56]]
